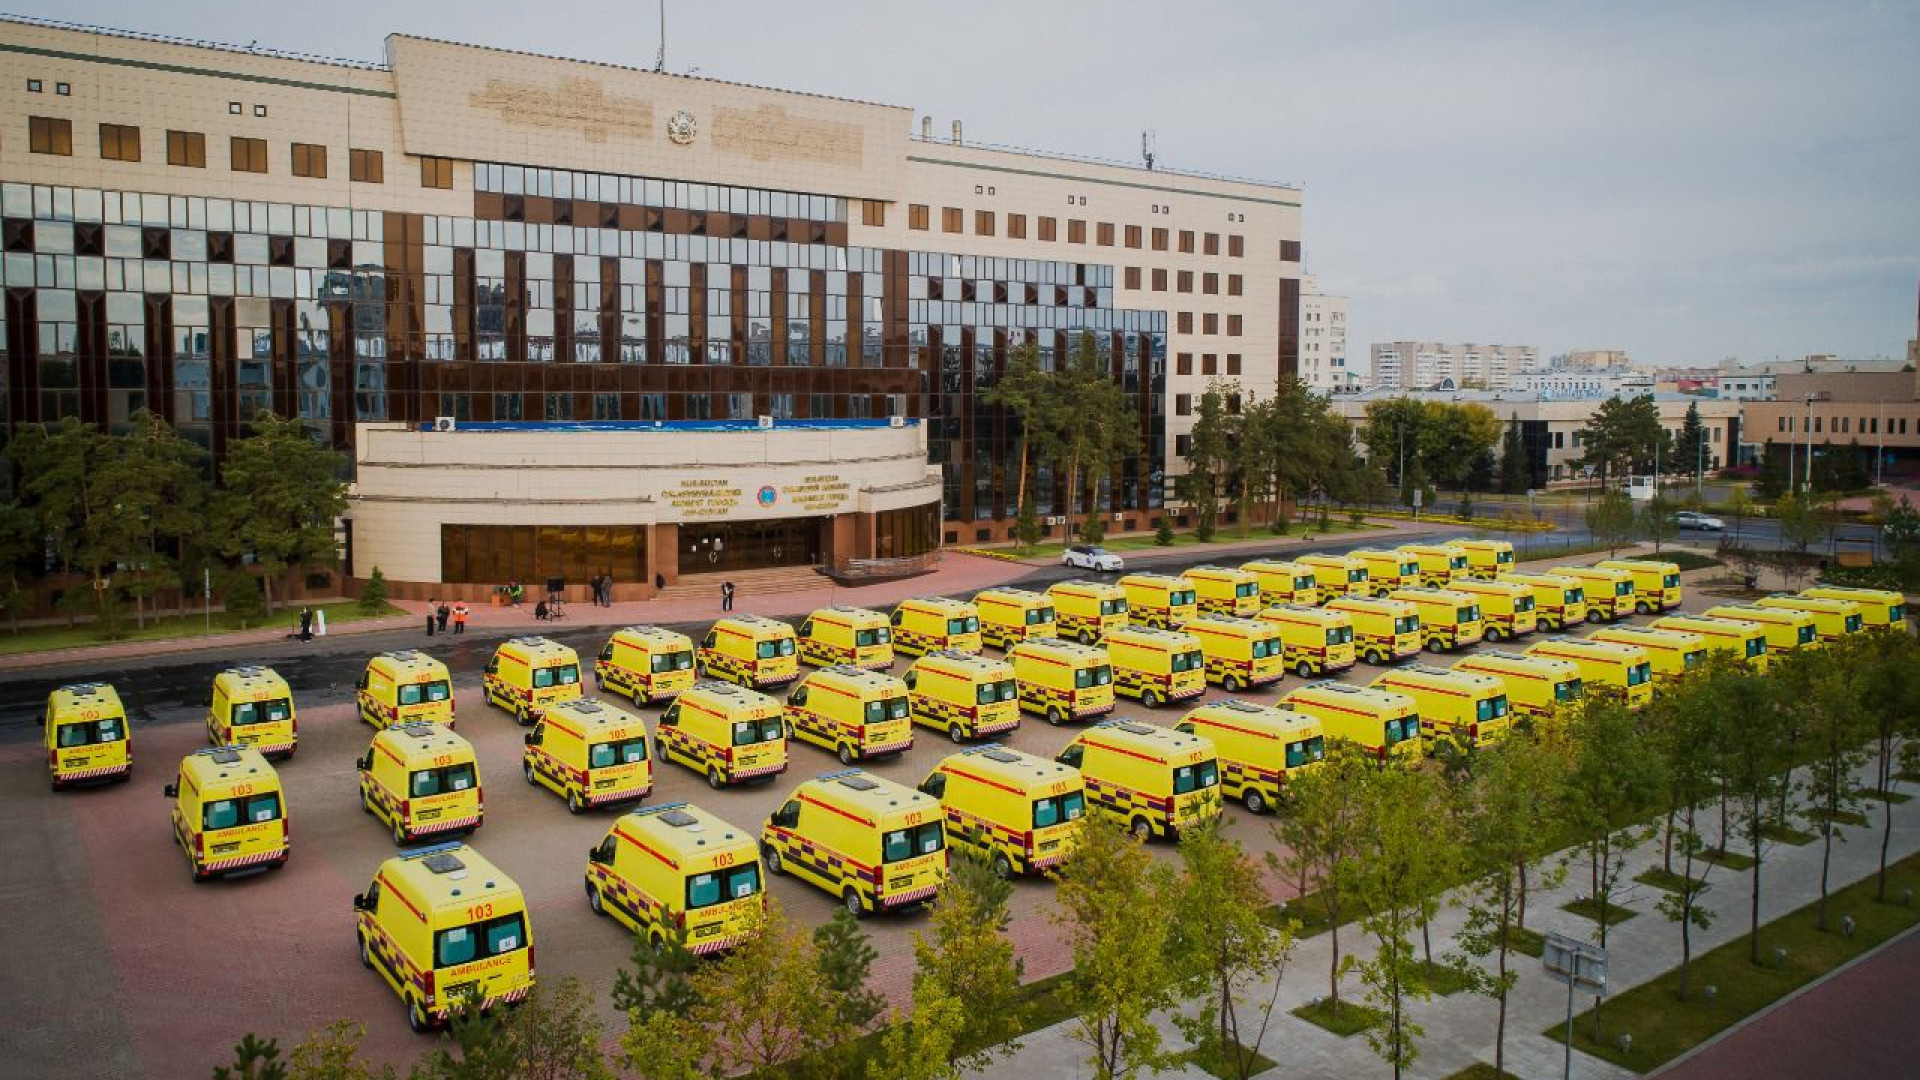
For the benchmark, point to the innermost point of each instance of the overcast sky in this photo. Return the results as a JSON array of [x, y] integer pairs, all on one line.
[[1685, 180]]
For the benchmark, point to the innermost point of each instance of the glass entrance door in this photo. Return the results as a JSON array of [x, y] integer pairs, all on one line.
[[750, 545]]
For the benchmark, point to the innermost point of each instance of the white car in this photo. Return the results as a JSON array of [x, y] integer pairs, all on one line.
[[1088, 557], [1688, 519]]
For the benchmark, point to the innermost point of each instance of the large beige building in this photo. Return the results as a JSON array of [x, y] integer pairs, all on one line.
[[1411, 365], [504, 282]]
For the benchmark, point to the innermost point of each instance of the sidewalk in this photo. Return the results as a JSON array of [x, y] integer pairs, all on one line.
[[1459, 1028], [287, 624]]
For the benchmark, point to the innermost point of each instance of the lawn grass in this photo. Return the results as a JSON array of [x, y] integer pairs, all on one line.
[[1480, 1070], [1147, 541], [1587, 908], [1894, 797], [1347, 1020], [1528, 942], [1786, 834], [47, 638], [1727, 860], [1664, 879], [1689, 560], [1309, 910], [1218, 1065], [1663, 1026], [1441, 980], [1844, 817]]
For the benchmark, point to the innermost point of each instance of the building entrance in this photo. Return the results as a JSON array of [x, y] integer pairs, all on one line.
[[751, 545]]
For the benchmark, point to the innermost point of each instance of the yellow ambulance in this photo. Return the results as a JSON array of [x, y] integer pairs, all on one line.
[[1336, 575], [1786, 630], [589, 753], [1260, 748], [421, 779], [966, 695], [1155, 781], [85, 735], [1284, 582], [1448, 620], [1385, 725], [927, 624], [750, 651], [875, 844], [529, 675], [1156, 666], [1062, 680], [1880, 609], [1467, 708], [678, 868], [1086, 610], [1010, 616], [1737, 637], [1240, 652], [1022, 813], [1506, 607], [1832, 619], [1487, 560], [404, 686], [1314, 641], [253, 706], [646, 663], [1439, 563], [1656, 584], [855, 713], [1558, 601], [1224, 590], [1537, 686], [229, 815], [445, 928], [1159, 600], [1388, 570], [1673, 653], [728, 733], [847, 635], [1604, 665], [1383, 630], [1610, 594]]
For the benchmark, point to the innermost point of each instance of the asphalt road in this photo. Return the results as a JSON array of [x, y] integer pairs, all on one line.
[[119, 965]]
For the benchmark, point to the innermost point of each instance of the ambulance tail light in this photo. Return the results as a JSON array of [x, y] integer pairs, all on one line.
[[1473, 730], [406, 808], [429, 986]]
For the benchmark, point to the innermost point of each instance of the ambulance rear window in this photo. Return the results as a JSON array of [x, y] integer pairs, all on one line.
[[989, 692], [1116, 606], [1195, 777], [720, 886], [1339, 635], [479, 940], [246, 810], [888, 709], [1039, 616], [748, 732], [624, 752], [1101, 675], [89, 732], [261, 712], [672, 661], [967, 625], [1305, 751], [1576, 595], [562, 675], [415, 693], [879, 635], [440, 781], [767, 650], [1407, 624], [1567, 691], [902, 844], [1058, 808]]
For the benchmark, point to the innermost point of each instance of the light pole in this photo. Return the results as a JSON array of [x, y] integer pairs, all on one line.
[[1809, 465], [1880, 449]]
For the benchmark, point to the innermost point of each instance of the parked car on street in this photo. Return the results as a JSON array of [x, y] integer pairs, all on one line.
[[1089, 557], [1689, 519]]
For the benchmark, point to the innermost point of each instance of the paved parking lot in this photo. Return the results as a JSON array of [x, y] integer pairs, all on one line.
[[120, 965]]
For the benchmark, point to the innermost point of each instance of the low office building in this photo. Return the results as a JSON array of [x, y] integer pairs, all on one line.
[[1879, 411]]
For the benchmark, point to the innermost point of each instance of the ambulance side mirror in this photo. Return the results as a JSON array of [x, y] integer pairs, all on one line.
[[365, 762], [359, 901], [171, 791], [533, 738], [598, 856]]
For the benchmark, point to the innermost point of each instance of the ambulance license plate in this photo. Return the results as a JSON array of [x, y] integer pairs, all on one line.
[[1049, 845], [427, 815], [606, 783], [899, 882], [226, 849]]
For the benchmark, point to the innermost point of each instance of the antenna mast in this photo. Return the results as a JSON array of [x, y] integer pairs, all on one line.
[[660, 58], [1146, 148]]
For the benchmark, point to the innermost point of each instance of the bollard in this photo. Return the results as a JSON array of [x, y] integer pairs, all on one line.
[[1710, 992], [1625, 1042], [1780, 956], [1846, 926], [1906, 897]]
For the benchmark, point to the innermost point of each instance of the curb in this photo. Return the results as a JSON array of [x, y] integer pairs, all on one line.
[[1742, 1025]]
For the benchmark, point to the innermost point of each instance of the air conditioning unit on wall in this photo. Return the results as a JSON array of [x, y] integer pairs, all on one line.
[[896, 421], [444, 423], [766, 423]]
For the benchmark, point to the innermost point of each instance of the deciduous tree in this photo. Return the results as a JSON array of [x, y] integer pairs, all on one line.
[[1396, 879], [282, 494], [966, 962], [1322, 833], [1611, 519], [1823, 689], [1222, 943]]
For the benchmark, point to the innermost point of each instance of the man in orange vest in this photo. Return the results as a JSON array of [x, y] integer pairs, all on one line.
[[459, 616]]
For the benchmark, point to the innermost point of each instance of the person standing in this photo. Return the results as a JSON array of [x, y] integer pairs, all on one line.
[[306, 624], [431, 606], [459, 616], [726, 596], [441, 613]]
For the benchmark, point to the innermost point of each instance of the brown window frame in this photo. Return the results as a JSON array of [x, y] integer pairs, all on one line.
[[953, 219], [1233, 324], [366, 166], [1183, 281], [187, 149], [873, 213], [247, 155], [1133, 277], [50, 135], [917, 216], [1210, 243], [1236, 246], [1183, 363], [1235, 285], [983, 222], [1210, 322], [1183, 322], [1183, 404], [1159, 279], [1017, 226], [1076, 231], [119, 142], [1103, 235], [437, 173], [310, 160], [1048, 228], [1133, 237], [1159, 239], [1209, 363], [1233, 363], [1186, 241]]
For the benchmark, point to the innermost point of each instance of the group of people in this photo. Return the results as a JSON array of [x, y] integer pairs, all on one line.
[[439, 612], [602, 585]]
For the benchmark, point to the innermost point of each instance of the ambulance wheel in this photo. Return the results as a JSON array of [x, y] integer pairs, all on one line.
[[526, 770], [1086, 637], [575, 804], [1303, 669], [520, 715], [417, 1018], [366, 953], [1494, 633], [1055, 716], [1256, 803], [400, 831], [957, 733], [1002, 866], [1594, 616], [659, 750], [855, 906], [656, 941], [598, 905], [1150, 699], [1231, 684], [714, 779], [774, 865], [1640, 607], [845, 753], [1435, 645], [1141, 828], [1374, 658], [366, 803]]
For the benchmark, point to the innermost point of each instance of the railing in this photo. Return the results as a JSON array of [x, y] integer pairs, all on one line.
[[198, 43], [845, 569]]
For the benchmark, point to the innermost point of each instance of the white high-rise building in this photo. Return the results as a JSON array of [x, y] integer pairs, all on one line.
[[1323, 340], [1417, 364]]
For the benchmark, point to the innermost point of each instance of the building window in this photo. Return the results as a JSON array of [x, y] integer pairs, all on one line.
[[1182, 445], [1233, 363], [1184, 281], [1076, 231], [63, 89], [559, 407], [50, 135], [873, 212], [1209, 364], [983, 222], [1236, 246], [1289, 251], [248, 155], [1133, 277], [187, 148], [1183, 404], [952, 219], [1017, 226], [1210, 284], [1210, 244], [1103, 235], [1159, 279], [366, 166], [1186, 241], [1233, 284], [917, 216], [1233, 325], [33, 86], [260, 110], [1047, 225], [1210, 323], [436, 172], [1183, 322], [1159, 239], [1133, 236], [1183, 363], [506, 407], [310, 160], [233, 108]]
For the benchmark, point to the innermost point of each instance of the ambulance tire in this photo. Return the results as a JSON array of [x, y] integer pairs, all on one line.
[[417, 1017], [1150, 699], [521, 716], [659, 749], [1374, 658], [575, 804], [400, 831], [1435, 645], [1255, 802], [366, 953], [957, 733], [656, 941], [526, 770], [598, 905], [1594, 615], [774, 865], [366, 803], [1002, 866], [1641, 607], [1303, 669], [854, 905], [1231, 684], [1086, 636], [844, 753], [1141, 828], [714, 779], [1055, 716], [1494, 634]]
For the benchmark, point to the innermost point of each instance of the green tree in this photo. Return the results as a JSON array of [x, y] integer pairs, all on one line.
[[1800, 521], [1901, 530], [1691, 449], [1516, 468], [63, 469], [658, 977], [1507, 819], [1454, 436], [844, 958], [1657, 521], [1114, 903], [1222, 943], [333, 1053], [1094, 429], [1625, 436], [22, 545], [253, 1059], [967, 960], [1322, 835], [281, 496], [1163, 531], [373, 594], [1031, 396], [160, 489], [1823, 690], [1402, 867], [1611, 519], [924, 1046], [1296, 446], [1753, 755], [1209, 460], [1739, 508], [1613, 779], [1686, 728], [1027, 529], [1889, 687]]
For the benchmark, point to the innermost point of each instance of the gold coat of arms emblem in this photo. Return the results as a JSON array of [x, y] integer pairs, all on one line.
[[681, 127]]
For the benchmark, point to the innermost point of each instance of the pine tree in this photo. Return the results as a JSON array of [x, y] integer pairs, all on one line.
[[1516, 471], [373, 595], [1690, 451], [1163, 533]]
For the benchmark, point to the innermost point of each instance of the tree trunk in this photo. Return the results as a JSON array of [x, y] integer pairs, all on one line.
[[266, 592], [1333, 965], [1020, 500], [1686, 916], [1666, 843], [1426, 939], [1753, 938], [1886, 809], [1500, 972], [1521, 922]]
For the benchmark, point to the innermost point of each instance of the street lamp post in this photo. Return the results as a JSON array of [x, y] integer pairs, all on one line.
[[1809, 464], [1880, 450]]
